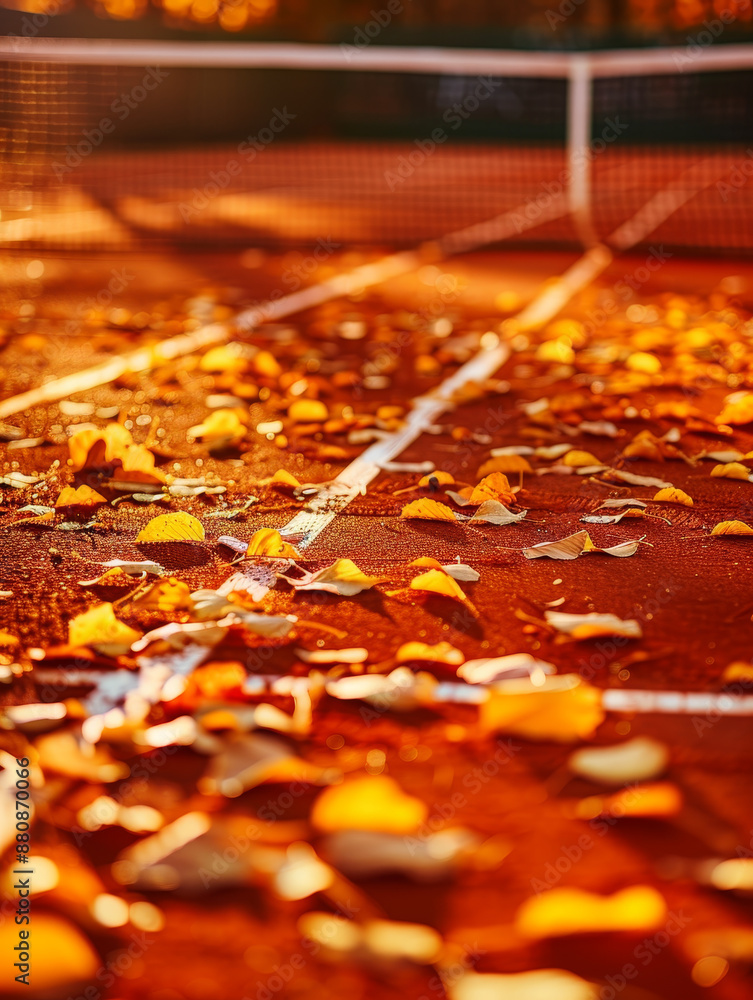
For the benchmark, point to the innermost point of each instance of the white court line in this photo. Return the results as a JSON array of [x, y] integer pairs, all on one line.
[[354, 479]]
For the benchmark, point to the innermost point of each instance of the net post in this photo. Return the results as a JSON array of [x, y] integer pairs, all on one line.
[[579, 104]]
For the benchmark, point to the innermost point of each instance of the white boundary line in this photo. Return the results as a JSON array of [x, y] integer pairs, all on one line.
[[375, 58], [544, 306]]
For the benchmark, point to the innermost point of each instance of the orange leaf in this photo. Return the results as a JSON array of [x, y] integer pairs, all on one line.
[[428, 510], [732, 528], [84, 496], [495, 486]]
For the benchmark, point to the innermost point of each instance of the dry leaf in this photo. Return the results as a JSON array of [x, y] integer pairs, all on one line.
[[436, 581], [165, 595], [84, 496], [221, 429], [732, 528], [443, 652], [494, 512], [505, 464], [732, 470], [673, 496], [177, 527], [564, 709], [375, 803], [575, 545], [639, 759], [593, 624], [436, 478], [623, 502], [458, 570], [493, 487], [579, 459], [564, 910], [428, 510], [269, 542], [307, 411], [661, 799], [738, 409], [114, 445], [516, 665], [622, 475], [613, 518], [99, 628], [343, 577], [282, 480]]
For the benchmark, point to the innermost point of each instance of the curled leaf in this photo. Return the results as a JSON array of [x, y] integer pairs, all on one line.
[[579, 459], [269, 542], [639, 759], [99, 628], [343, 577], [673, 496], [436, 478], [486, 671], [732, 470], [492, 487], [575, 545], [494, 512], [592, 625]]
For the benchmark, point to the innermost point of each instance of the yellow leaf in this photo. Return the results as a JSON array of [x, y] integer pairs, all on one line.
[[269, 542], [438, 477], [428, 510], [659, 799], [495, 486], [574, 911], [342, 577], [674, 496], [165, 595], [564, 709], [97, 449], [732, 528], [504, 464], [100, 628], [307, 411], [738, 671], [731, 470], [221, 427], [225, 358], [374, 803], [436, 581], [84, 496], [426, 562], [443, 652], [266, 364], [62, 958], [177, 527], [579, 459], [281, 478], [737, 411]]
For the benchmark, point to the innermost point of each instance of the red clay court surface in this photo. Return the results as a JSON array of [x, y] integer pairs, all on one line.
[[690, 591]]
